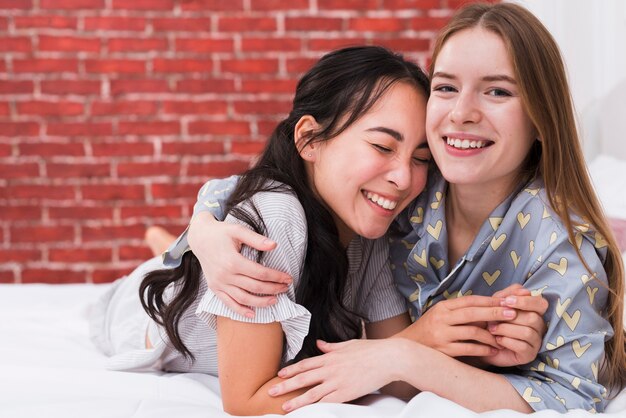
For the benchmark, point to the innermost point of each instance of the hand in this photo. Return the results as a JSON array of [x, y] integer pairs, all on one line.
[[232, 277], [521, 337], [457, 327], [347, 371]]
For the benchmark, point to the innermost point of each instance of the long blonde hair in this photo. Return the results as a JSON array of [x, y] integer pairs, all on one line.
[[558, 157]]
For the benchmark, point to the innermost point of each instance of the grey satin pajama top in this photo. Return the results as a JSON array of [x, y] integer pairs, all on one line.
[[523, 241]]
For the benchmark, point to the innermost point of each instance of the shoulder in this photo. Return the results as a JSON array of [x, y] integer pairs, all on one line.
[[532, 213], [280, 205], [540, 238], [279, 210]]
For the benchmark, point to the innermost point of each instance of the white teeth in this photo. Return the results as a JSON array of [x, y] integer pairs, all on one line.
[[465, 143], [381, 201]]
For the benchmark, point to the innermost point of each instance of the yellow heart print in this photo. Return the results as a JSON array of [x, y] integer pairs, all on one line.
[[523, 219], [491, 278]]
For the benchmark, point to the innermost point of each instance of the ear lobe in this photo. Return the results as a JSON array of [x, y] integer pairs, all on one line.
[[302, 132]]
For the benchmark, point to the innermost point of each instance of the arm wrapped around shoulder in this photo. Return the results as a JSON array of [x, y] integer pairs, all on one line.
[[283, 219]]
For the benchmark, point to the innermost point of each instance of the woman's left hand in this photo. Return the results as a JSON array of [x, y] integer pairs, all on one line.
[[347, 371], [521, 337]]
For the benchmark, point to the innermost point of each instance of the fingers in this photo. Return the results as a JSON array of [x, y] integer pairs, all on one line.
[[471, 300], [510, 290], [475, 334], [247, 299], [328, 347], [252, 285], [234, 305], [300, 367], [238, 264], [518, 332], [480, 314], [527, 303], [468, 349], [523, 341], [315, 394], [530, 320], [523, 352], [296, 382], [252, 239]]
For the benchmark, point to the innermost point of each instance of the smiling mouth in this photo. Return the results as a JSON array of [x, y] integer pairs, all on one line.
[[466, 143], [381, 201]]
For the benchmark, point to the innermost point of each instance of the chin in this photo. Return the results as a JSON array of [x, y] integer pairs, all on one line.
[[457, 177], [374, 233]]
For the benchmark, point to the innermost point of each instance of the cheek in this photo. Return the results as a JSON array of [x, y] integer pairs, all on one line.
[[524, 134], [432, 130], [435, 110]]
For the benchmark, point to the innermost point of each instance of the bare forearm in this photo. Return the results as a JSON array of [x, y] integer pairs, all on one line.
[[429, 370], [260, 403]]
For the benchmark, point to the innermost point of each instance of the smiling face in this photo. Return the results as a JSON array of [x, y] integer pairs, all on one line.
[[477, 127], [372, 170]]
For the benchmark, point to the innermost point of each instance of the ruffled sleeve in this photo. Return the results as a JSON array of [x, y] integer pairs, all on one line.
[[285, 223], [294, 319]]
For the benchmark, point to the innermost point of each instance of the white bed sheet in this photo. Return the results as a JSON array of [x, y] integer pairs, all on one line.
[[49, 368]]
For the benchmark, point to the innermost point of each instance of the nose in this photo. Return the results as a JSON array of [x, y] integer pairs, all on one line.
[[465, 109], [400, 173]]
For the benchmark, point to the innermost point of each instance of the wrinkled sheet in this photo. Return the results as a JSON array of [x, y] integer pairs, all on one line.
[[49, 368]]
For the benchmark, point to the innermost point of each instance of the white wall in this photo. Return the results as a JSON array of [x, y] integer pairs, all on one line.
[[592, 38]]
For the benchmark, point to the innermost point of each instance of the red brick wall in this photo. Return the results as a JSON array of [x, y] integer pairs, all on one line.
[[114, 112]]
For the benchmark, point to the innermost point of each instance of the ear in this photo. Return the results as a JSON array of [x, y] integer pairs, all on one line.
[[301, 133]]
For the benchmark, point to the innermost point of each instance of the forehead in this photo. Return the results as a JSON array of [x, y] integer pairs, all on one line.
[[474, 49], [400, 97]]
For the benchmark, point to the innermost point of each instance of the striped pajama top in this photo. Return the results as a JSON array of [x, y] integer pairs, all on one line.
[[119, 323]]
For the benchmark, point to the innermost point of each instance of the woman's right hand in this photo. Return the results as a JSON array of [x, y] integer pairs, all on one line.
[[503, 330], [235, 279], [457, 327]]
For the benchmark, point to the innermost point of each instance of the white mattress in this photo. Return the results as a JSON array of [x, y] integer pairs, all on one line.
[[49, 368]]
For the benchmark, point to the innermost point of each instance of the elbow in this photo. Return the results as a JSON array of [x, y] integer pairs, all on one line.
[[237, 410], [248, 408]]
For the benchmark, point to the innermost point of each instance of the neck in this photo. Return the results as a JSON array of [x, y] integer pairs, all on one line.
[[345, 234], [468, 206]]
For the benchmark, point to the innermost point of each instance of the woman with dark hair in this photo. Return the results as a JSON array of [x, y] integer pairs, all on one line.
[[346, 161]]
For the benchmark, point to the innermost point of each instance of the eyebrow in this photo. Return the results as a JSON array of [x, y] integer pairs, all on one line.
[[391, 132], [496, 77], [394, 134]]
